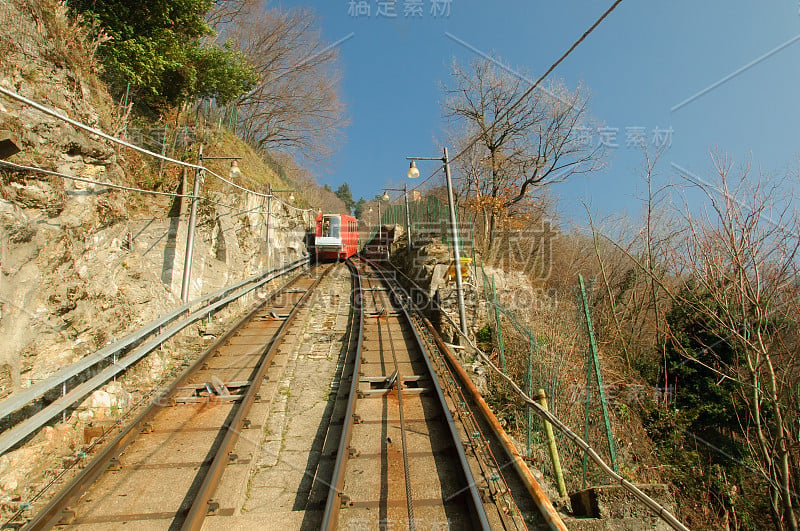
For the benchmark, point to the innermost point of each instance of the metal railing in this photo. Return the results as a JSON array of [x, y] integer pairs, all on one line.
[[180, 319]]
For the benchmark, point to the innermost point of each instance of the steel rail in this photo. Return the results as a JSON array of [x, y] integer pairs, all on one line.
[[650, 503], [486, 460], [335, 491], [546, 509], [199, 509], [476, 506], [52, 513], [209, 304]]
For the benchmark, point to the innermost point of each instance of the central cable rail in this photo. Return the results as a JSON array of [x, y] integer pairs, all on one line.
[[408, 455]]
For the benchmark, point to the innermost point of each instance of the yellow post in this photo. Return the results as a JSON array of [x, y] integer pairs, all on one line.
[[541, 398]]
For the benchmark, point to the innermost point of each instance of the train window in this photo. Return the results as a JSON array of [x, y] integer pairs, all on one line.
[[330, 226]]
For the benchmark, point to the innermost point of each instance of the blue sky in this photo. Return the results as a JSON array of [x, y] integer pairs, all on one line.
[[643, 61]]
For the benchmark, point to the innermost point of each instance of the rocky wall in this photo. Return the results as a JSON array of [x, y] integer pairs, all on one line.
[[83, 264]]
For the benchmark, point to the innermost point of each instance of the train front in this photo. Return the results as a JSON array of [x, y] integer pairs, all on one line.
[[328, 241]]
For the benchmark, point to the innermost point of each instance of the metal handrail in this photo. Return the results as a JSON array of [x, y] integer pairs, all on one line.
[[207, 305]]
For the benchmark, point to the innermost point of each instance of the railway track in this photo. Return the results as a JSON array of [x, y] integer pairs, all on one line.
[[398, 445], [162, 470], [404, 460]]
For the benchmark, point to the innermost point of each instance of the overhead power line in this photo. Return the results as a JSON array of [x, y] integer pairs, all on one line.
[[533, 87], [61, 116]]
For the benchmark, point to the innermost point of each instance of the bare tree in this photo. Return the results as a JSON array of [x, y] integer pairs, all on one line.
[[296, 106], [742, 257], [514, 141], [227, 11]]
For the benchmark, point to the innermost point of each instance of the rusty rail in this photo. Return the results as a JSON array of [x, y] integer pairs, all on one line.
[[59, 505], [548, 512], [333, 503]]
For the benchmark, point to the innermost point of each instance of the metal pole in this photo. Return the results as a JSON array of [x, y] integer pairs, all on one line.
[[269, 211], [462, 315], [187, 261], [408, 217], [598, 374], [529, 390], [499, 328]]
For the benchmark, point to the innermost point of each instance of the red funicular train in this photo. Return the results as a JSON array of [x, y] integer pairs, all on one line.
[[336, 236]]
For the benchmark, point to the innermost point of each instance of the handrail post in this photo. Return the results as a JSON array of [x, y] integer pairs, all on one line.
[[187, 260]]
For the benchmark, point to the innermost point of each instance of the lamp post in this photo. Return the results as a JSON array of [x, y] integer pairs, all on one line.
[[413, 173], [408, 215]]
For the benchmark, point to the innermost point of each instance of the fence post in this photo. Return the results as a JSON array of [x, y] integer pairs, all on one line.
[[163, 151], [586, 416], [499, 329], [187, 260], [595, 361]]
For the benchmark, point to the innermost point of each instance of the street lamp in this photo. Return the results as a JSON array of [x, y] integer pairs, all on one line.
[[371, 210], [235, 172], [408, 215], [413, 173]]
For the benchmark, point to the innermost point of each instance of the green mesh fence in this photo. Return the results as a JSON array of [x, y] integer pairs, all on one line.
[[511, 338], [429, 218]]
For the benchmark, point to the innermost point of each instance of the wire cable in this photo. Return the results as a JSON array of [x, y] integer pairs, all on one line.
[[56, 114], [538, 82], [533, 87], [20, 167]]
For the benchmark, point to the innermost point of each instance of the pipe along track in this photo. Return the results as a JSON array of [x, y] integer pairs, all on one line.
[[411, 453], [163, 468]]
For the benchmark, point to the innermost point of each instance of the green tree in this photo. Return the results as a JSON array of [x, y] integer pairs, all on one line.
[[697, 353], [344, 193], [358, 209], [157, 47]]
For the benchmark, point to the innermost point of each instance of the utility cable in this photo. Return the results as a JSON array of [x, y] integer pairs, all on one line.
[[56, 114], [533, 87], [20, 167]]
